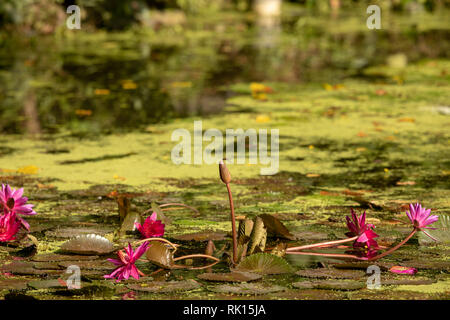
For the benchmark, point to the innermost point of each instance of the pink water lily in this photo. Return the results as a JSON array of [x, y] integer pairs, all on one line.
[[125, 263], [420, 218], [151, 227], [12, 200], [359, 227], [9, 226]]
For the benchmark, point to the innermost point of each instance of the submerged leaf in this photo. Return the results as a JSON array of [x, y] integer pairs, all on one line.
[[158, 253], [264, 263]]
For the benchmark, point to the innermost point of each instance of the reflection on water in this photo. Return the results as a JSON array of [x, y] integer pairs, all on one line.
[[98, 82]]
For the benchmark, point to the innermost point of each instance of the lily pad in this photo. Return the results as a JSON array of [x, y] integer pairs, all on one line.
[[264, 263], [60, 257], [73, 232], [247, 288], [275, 227], [88, 265], [331, 285], [13, 284], [331, 273], [165, 286], [46, 284], [89, 244], [441, 234], [158, 253], [230, 276], [201, 236]]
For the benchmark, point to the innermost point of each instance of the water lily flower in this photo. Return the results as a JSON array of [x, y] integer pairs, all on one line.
[[151, 227], [359, 227], [9, 226], [420, 218], [126, 262], [12, 200]]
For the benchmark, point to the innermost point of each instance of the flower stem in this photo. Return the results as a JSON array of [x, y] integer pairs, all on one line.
[[394, 248], [199, 255], [323, 244], [233, 224], [329, 255]]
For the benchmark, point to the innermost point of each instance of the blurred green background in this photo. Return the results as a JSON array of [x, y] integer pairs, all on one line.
[[138, 62]]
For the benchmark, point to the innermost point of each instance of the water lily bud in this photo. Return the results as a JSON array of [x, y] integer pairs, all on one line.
[[225, 175]]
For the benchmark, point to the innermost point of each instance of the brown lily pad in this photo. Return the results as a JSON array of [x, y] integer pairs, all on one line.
[[201, 236], [331, 273], [247, 288], [158, 253], [89, 244], [275, 227], [73, 232], [331, 285], [46, 284], [88, 265], [165, 286], [50, 257], [13, 284], [230, 276]]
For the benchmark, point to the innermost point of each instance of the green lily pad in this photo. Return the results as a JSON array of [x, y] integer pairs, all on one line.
[[230, 276], [264, 263]]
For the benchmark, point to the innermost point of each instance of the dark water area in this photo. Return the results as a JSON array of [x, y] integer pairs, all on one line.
[[108, 82]]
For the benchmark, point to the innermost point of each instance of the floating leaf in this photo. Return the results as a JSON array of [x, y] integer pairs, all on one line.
[[331, 273], [201, 236], [264, 263], [275, 227], [158, 253], [90, 244], [165, 286], [441, 234], [230, 276], [247, 288], [331, 284]]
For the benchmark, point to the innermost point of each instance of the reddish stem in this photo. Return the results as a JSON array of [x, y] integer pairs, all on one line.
[[233, 224], [394, 248], [323, 244], [329, 255]]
